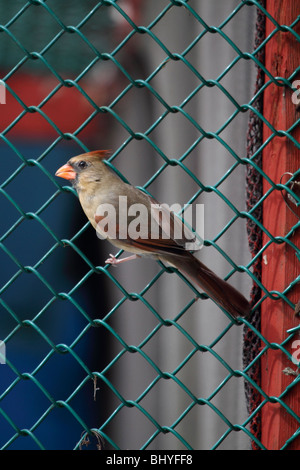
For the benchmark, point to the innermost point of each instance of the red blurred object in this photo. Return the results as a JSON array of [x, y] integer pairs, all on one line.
[[66, 109]]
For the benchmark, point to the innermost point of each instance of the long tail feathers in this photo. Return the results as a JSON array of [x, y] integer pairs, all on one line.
[[219, 290]]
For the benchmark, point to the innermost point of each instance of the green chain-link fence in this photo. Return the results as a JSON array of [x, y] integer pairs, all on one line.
[[69, 69]]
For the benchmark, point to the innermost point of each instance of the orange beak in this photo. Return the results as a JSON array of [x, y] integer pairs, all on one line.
[[66, 172]]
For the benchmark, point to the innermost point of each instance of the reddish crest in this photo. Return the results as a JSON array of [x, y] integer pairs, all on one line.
[[100, 153]]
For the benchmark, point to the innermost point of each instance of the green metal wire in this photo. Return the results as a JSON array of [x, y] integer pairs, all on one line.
[[69, 297]]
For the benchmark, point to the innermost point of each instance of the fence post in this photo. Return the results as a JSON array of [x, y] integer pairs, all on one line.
[[280, 264]]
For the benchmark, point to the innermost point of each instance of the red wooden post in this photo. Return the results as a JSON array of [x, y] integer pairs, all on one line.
[[280, 265]]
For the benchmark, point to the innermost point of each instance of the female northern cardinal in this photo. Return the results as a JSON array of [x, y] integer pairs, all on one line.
[[99, 188]]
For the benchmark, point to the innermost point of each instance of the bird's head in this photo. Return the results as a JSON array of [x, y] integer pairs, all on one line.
[[85, 168]]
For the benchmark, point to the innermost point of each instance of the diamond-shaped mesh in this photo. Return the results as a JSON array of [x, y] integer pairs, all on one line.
[[71, 70]]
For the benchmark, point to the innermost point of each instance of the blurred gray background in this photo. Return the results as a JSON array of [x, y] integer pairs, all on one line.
[[201, 427]]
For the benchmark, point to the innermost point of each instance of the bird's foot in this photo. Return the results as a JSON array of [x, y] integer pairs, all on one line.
[[115, 261]]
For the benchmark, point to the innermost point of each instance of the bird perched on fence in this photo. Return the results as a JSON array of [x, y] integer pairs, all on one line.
[[102, 194]]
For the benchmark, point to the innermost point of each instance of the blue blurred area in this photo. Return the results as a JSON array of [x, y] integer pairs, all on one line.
[[25, 296]]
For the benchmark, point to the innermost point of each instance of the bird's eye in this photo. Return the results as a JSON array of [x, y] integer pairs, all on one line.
[[82, 164]]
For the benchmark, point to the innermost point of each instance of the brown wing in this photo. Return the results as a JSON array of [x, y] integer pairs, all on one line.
[[161, 231], [173, 227]]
